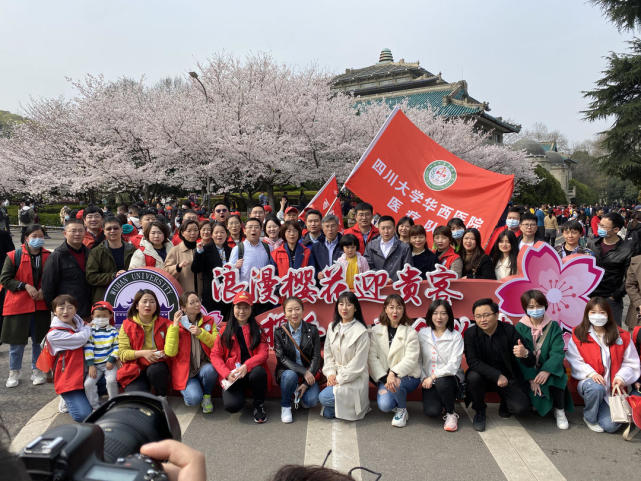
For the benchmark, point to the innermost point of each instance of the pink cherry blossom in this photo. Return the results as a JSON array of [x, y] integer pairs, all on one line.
[[566, 283]]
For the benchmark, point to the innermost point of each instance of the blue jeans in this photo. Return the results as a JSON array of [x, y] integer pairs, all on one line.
[[289, 383], [596, 410], [201, 383], [16, 351], [327, 400], [387, 400], [77, 404]]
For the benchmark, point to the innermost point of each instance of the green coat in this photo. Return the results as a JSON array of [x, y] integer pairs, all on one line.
[[550, 360], [101, 268]]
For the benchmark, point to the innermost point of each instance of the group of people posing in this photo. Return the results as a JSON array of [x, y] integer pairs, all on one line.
[[188, 353]]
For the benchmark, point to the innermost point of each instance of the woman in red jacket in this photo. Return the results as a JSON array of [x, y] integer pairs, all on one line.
[[25, 312], [239, 356], [443, 246], [189, 343], [141, 344], [291, 253]]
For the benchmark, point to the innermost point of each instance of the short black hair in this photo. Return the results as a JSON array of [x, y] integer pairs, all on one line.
[[535, 294], [313, 211], [364, 206], [349, 240], [92, 209], [572, 225], [528, 216], [515, 210], [616, 219], [486, 301], [387, 218]]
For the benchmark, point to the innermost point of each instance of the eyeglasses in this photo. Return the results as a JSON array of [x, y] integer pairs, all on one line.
[[480, 317], [528, 225], [112, 228], [220, 211]]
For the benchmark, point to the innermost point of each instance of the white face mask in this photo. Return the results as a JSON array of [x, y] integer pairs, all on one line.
[[100, 322], [598, 320]]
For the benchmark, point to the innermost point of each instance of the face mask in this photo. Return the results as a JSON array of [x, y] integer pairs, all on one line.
[[100, 322], [133, 219], [602, 232], [457, 234], [36, 242], [511, 223], [598, 320], [66, 217], [536, 313]]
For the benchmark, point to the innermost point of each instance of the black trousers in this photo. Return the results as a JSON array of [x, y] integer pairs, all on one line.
[[442, 395], [514, 396], [154, 376], [558, 397], [255, 381]]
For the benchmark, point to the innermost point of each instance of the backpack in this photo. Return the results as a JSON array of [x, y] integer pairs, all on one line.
[[241, 250], [25, 216]]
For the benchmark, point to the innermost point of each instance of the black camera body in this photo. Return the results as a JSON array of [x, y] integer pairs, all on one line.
[[105, 447]]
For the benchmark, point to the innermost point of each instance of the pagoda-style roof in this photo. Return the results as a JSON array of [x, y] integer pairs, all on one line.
[[397, 82]]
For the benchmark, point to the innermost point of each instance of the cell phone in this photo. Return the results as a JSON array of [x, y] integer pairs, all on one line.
[[159, 354], [184, 321]]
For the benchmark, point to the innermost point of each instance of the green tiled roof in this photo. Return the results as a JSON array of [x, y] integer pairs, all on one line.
[[432, 98]]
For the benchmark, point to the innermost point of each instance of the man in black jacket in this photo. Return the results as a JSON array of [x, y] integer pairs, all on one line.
[[613, 255], [64, 272], [326, 250], [6, 246], [491, 352]]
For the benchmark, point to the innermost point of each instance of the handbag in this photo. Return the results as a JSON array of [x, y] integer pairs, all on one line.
[[620, 411]]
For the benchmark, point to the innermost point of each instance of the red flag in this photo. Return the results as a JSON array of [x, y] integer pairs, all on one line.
[[326, 201], [404, 172]]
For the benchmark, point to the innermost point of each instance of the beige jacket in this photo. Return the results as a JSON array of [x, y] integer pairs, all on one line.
[[402, 356], [185, 277], [633, 288], [346, 350]]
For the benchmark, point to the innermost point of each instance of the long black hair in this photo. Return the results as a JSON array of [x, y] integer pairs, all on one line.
[[232, 325], [496, 254], [350, 297], [473, 260]]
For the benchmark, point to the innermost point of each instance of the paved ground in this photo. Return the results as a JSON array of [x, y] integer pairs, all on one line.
[[529, 448]]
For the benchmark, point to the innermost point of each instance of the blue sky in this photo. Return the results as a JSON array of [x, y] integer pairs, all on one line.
[[529, 59]]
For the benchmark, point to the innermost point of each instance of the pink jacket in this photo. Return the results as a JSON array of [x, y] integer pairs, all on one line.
[[363, 266]]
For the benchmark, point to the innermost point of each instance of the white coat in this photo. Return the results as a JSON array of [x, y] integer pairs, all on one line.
[[401, 356], [146, 247], [443, 357], [346, 352]]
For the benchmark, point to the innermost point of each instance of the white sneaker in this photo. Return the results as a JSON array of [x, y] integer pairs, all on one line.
[[38, 377], [593, 427], [286, 415], [62, 406], [14, 379], [400, 418], [451, 422], [561, 419]]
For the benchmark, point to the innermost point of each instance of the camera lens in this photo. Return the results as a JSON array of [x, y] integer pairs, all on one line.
[[131, 420]]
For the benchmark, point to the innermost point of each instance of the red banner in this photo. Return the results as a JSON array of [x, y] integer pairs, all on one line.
[[326, 201], [405, 173]]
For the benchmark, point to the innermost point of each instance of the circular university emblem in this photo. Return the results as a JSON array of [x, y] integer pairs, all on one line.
[[122, 290], [439, 175]]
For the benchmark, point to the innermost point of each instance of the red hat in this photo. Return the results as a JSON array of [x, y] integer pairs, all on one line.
[[242, 296], [268, 208], [79, 214], [102, 305], [291, 209]]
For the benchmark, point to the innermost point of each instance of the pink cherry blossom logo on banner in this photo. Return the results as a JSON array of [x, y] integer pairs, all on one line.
[[566, 283]]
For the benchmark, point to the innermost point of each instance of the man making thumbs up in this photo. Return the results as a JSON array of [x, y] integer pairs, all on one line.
[[491, 349]]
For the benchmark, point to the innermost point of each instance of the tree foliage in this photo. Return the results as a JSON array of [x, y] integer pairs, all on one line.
[[239, 125], [618, 96], [625, 14], [546, 190]]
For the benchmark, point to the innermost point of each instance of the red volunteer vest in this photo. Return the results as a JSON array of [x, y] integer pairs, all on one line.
[[180, 364], [20, 302], [150, 261], [69, 368], [354, 230], [131, 370], [281, 258], [448, 257], [591, 353]]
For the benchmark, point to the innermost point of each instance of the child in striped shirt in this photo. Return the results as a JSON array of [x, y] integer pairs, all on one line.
[[101, 352]]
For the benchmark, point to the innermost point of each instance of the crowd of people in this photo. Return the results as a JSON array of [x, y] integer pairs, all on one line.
[[59, 297]]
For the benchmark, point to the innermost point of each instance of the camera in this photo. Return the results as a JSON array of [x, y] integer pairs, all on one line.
[[105, 446]]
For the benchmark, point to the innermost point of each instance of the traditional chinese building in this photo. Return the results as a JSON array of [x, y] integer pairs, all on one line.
[[395, 82], [546, 154]]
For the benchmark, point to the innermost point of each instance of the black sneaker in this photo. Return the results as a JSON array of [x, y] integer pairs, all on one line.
[[479, 421], [504, 412], [260, 416]]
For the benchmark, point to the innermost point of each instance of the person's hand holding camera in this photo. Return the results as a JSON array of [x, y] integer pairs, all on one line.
[[180, 462]]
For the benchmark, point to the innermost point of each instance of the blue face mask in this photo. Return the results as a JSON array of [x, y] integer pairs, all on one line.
[[536, 313], [457, 234], [36, 242], [511, 223], [602, 232]]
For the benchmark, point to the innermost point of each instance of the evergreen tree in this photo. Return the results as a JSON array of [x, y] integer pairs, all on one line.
[[625, 14]]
